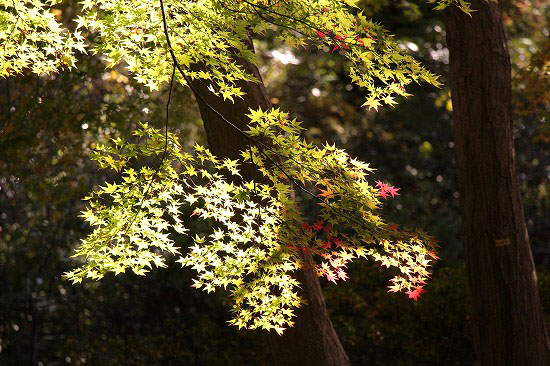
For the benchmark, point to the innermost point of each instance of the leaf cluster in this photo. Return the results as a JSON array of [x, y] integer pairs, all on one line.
[[258, 235], [31, 39]]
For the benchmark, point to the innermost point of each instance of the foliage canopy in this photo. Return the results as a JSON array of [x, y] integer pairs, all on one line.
[[258, 234]]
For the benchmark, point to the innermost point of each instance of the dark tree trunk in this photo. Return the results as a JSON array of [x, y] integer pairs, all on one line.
[[313, 340], [508, 321]]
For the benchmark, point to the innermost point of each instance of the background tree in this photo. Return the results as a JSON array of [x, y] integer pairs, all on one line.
[[508, 319]]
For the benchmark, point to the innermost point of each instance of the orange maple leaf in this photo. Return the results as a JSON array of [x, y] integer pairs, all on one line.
[[329, 193]]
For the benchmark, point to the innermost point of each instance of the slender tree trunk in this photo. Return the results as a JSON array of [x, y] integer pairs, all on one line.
[[508, 321], [313, 340]]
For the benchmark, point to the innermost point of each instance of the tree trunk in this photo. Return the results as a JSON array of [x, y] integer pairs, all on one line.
[[508, 321], [313, 340]]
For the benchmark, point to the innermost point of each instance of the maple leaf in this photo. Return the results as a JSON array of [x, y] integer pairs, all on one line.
[[385, 190], [338, 242], [416, 280], [383, 194], [392, 226], [336, 262], [324, 181], [318, 226], [393, 191], [394, 288], [372, 104], [329, 193], [386, 262], [341, 274], [330, 276], [416, 293], [381, 184], [321, 34], [389, 100]]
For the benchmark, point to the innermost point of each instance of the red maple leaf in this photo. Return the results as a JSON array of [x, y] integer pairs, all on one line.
[[392, 226], [381, 184], [393, 191], [416, 293], [385, 190], [341, 43], [384, 194], [321, 34], [318, 226]]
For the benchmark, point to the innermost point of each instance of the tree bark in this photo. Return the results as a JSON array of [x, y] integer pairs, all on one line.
[[313, 340], [507, 317]]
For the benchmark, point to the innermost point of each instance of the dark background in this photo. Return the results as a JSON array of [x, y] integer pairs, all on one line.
[[49, 125]]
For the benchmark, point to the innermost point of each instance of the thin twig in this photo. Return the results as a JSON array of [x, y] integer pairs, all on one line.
[[146, 194]]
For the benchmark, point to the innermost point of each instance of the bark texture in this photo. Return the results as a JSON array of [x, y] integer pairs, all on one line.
[[313, 340], [508, 321]]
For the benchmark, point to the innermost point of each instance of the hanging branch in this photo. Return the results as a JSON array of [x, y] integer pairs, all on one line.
[[146, 194]]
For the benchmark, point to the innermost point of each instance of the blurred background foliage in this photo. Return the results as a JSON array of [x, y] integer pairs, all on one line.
[[49, 125]]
